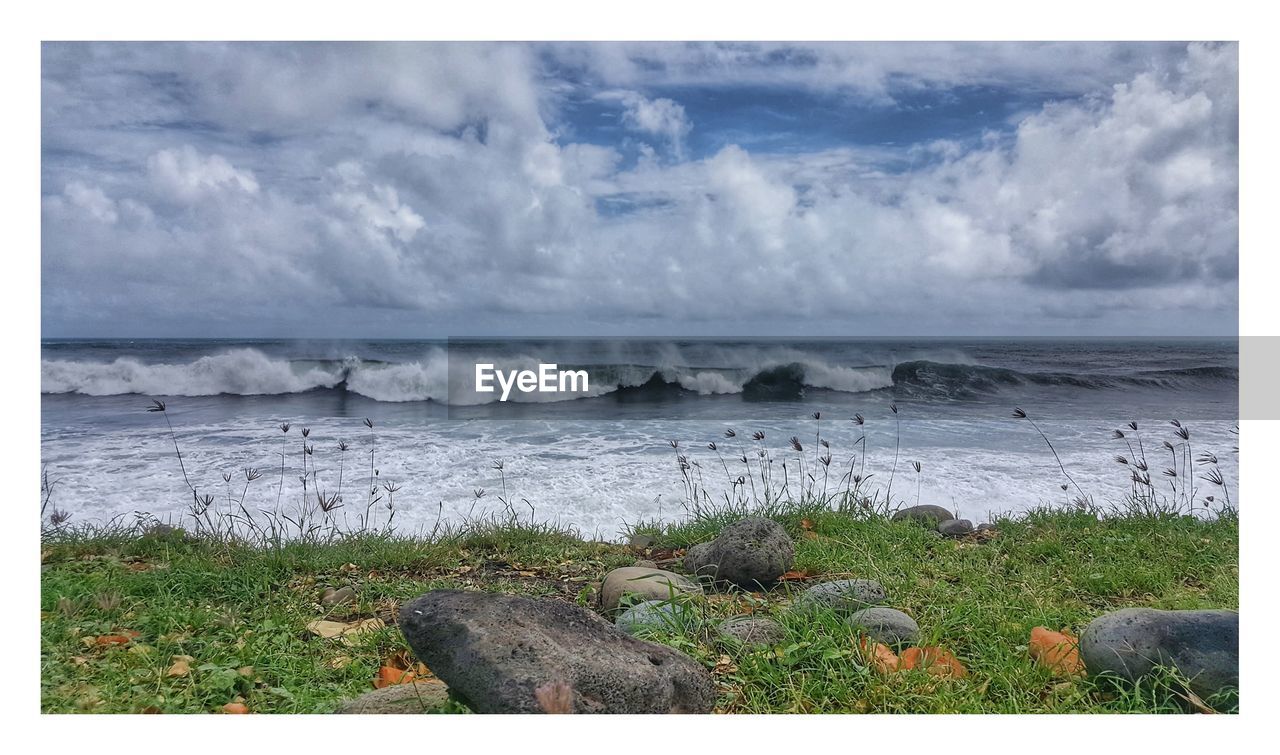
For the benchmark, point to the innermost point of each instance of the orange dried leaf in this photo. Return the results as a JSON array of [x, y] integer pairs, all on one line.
[[878, 656], [1057, 651], [933, 660], [235, 708], [806, 524], [389, 675], [793, 576]]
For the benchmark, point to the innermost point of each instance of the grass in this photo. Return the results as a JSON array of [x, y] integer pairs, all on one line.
[[240, 611]]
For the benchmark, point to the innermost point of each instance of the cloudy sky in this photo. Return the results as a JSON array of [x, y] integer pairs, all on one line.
[[428, 190]]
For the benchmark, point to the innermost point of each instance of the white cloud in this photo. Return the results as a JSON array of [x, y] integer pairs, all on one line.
[[92, 200], [406, 185], [188, 175], [377, 206], [660, 117]]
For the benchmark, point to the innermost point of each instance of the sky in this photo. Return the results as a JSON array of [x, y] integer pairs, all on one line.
[[414, 190]]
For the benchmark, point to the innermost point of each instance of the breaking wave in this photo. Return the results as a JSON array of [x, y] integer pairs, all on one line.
[[249, 372]]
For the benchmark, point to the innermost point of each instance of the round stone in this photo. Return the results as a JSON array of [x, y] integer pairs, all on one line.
[[752, 630], [844, 596], [886, 625]]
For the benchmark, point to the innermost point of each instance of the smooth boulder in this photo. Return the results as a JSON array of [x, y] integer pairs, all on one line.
[[927, 514], [844, 596], [750, 553], [413, 697], [886, 625], [1203, 646], [497, 651], [752, 630], [644, 583]]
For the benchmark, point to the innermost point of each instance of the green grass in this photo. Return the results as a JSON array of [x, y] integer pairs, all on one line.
[[242, 612]]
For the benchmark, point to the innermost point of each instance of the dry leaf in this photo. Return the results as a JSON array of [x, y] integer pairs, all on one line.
[[235, 708], [724, 665], [1057, 651], [389, 675], [338, 662], [793, 576], [933, 660], [123, 638], [878, 656], [344, 631], [181, 666], [1196, 702]]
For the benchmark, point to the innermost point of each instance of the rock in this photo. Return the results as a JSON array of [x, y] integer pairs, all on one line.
[[955, 527], [413, 697], [696, 559], [330, 597], [1204, 646], [984, 527], [844, 596], [646, 564], [653, 614], [927, 515], [497, 651], [888, 626], [644, 583], [752, 630], [640, 542], [750, 553]]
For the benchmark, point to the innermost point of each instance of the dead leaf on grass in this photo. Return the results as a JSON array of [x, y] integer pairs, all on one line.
[[181, 666], [1057, 651], [344, 631], [878, 656], [933, 660]]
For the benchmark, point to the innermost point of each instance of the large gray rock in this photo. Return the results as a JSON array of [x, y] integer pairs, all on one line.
[[750, 553], [654, 614], [887, 625], [928, 515], [752, 630], [844, 596], [696, 560], [955, 527], [495, 651], [644, 583], [413, 697], [1203, 646]]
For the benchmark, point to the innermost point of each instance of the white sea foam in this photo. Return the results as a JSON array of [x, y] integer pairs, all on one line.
[[239, 371], [709, 383]]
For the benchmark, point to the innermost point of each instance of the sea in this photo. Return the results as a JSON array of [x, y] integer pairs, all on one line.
[[917, 420]]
